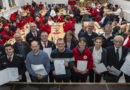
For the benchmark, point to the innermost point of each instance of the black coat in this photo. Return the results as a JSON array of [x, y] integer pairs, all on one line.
[[17, 61], [50, 44], [30, 37]]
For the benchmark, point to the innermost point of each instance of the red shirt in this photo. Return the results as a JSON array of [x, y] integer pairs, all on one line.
[[85, 56], [45, 27], [68, 26]]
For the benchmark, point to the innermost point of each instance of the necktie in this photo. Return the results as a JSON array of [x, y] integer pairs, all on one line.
[[45, 46], [9, 58], [117, 54]]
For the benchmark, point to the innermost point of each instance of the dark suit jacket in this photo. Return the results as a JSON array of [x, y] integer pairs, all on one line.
[[50, 44], [106, 20], [1, 50], [74, 43], [30, 37], [25, 45], [104, 54], [17, 61], [111, 57]]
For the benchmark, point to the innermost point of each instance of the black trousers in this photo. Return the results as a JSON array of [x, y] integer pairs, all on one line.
[[79, 77], [127, 78], [93, 77], [111, 78], [59, 79]]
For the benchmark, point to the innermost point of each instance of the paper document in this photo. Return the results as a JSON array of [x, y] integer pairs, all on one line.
[[100, 68], [126, 66], [48, 51], [115, 71], [13, 74], [8, 74], [39, 69], [82, 65], [59, 67]]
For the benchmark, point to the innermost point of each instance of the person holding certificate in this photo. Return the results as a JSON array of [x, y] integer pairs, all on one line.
[[83, 61], [46, 44], [13, 60], [99, 57], [115, 58], [37, 63], [62, 62]]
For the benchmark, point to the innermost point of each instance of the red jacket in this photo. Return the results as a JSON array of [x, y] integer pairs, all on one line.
[[71, 2], [85, 56], [59, 19], [45, 27], [7, 35], [29, 19], [68, 26], [128, 42]]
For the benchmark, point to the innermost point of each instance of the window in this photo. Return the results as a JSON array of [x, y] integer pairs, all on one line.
[[11, 3]]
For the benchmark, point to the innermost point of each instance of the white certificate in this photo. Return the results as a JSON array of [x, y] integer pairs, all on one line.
[[100, 68], [126, 66], [48, 51], [3, 77], [59, 67], [115, 71], [82, 65], [9, 74], [13, 74], [39, 69]]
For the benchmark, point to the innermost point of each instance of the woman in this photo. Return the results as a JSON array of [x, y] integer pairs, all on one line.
[[81, 55], [99, 56], [70, 40]]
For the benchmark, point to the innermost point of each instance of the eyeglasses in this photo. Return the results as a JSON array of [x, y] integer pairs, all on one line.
[[118, 41]]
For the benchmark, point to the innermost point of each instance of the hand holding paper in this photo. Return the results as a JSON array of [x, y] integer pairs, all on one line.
[[82, 65]]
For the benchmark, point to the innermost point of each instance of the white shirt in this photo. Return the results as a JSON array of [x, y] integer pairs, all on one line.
[[102, 20], [117, 12], [44, 44], [119, 51], [97, 55], [52, 13]]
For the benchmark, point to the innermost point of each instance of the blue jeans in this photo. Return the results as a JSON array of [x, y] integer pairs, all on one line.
[[35, 79]]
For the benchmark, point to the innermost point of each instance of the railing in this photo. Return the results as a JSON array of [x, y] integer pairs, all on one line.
[[65, 86]]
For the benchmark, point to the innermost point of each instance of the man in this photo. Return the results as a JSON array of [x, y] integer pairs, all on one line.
[[37, 57], [115, 58], [33, 34], [12, 59], [21, 47], [61, 53], [1, 50], [90, 35], [45, 43]]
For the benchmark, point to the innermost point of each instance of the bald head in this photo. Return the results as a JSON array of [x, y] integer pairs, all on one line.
[[17, 37], [35, 46]]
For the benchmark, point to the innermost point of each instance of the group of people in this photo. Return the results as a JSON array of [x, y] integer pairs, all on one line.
[[109, 48]]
